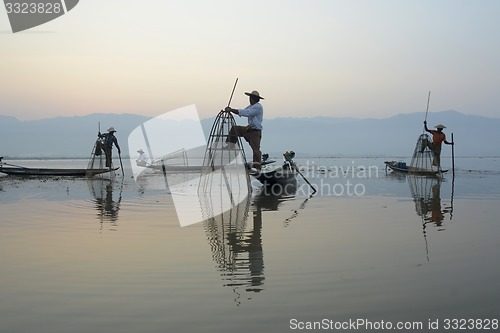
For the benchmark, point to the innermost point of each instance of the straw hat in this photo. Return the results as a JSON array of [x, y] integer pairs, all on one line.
[[111, 129], [440, 126], [254, 93], [140, 151]]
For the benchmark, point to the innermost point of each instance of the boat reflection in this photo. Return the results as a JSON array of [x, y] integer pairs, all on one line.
[[106, 205], [398, 177], [270, 197]]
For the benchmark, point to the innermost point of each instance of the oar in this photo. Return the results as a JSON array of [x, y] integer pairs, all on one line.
[[453, 155], [303, 177], [121, 164]]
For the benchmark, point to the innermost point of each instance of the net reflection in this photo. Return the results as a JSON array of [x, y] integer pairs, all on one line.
[[426, 193], [106, 205], [236, 244], [235, 239]]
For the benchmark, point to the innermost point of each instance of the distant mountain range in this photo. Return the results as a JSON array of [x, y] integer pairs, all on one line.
[[74, 137]]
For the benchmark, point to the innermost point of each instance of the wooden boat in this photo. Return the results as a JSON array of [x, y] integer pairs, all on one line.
[[402, 167], [283, 176], [16, 170], [271, 175]]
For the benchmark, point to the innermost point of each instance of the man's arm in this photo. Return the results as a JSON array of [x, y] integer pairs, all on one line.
[[425, 127], [117, 145], [251, 111], [235, 111]]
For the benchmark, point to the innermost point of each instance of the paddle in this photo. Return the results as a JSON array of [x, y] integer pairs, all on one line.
[[303, 177], [121, 164], [453, 155]]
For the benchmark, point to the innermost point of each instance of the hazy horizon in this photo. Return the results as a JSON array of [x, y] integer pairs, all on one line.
[[271, 117], [311, 136]]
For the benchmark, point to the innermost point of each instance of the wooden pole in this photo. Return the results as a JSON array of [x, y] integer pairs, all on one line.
[[121, 164], [453, 155], [230, 98], [427, 110]]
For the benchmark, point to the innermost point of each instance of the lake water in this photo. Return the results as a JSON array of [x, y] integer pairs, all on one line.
[[371, 246]]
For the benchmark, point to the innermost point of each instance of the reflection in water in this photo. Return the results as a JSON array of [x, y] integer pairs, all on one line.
[[235, 239], [107, 207], [270, 198], [237, 250], [426, 193]]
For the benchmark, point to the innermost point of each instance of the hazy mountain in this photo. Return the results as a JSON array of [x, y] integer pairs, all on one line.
[[314, 136]]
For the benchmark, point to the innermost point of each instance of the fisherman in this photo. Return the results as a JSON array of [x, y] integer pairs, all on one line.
[[142, 160], [253, 131], [107, 145], [438, 137]]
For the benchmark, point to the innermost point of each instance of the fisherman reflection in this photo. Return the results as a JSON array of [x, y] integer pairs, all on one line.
[[237, 249], [251, 243], [426, 192], [436, 214], [107, 207]]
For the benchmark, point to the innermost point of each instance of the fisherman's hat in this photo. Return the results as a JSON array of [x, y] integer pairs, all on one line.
[[440, 126], [254, 93], [111, 129], [140, 151]]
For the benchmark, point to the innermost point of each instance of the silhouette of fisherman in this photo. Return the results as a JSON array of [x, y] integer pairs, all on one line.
[[107, 141]]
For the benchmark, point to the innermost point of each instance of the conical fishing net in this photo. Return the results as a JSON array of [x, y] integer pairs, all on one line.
[[224, 172], [423, 156]]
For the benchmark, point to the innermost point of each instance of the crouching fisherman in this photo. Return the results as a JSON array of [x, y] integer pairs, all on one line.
[[106, 144]]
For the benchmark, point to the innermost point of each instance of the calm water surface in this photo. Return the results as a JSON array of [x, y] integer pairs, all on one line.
[[110, 256]]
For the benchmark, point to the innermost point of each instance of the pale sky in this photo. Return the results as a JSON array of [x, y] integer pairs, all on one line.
[[349, 58]]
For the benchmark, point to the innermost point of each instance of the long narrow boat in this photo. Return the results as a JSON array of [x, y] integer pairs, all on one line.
[[402, 167], [21, 171]]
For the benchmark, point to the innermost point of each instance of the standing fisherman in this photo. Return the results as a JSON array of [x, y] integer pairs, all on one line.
[[108, 140], [438, 137], [253, 131]]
